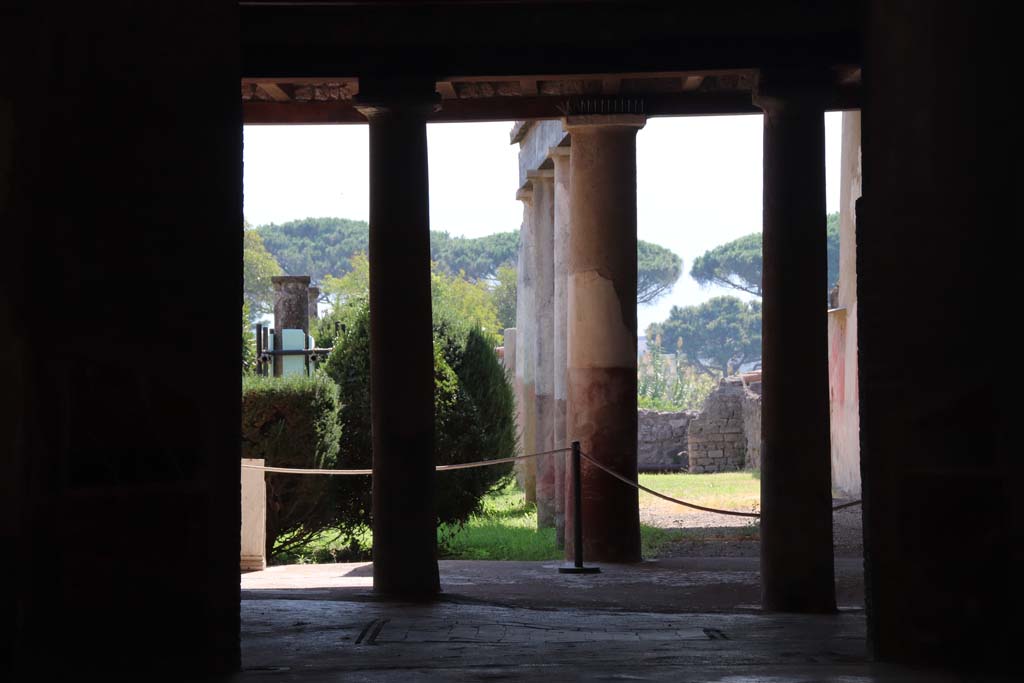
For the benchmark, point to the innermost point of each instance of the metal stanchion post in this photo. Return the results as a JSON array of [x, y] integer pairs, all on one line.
[[577, 522]]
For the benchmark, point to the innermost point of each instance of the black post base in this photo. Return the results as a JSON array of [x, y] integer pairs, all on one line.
[[579, 570]]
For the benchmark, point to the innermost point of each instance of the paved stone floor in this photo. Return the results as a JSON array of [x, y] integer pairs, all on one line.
[[514, 621]]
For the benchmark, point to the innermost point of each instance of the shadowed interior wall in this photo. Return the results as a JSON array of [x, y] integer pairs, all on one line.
[[942, 516], [120, 329]]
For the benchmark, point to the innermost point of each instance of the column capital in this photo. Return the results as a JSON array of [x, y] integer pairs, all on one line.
[[541, 174], [281, 280], [525, 194], [555, 152], [776, 90], [383, 96], [636, 121]]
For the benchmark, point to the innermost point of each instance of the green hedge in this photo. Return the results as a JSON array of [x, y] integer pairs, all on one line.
[[473, 419], [293, 422]]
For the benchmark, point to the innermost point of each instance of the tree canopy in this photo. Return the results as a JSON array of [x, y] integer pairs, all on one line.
[[657, 271], [716, 337], [258, 266], [316, 246], [324, 249], [324, 246], [737, 264], [504, 296], [477, 258]]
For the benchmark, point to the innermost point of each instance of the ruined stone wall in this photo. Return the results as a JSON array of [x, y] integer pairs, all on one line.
[[661, 439], [752, 425], [716, 438]]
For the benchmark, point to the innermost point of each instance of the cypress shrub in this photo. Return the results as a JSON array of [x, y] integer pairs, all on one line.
[[473, 420], [293, 422]]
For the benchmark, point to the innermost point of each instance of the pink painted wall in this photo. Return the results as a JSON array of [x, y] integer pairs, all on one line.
[[844, 392]]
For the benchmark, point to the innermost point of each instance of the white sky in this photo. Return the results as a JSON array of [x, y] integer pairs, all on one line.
[[698, 182]]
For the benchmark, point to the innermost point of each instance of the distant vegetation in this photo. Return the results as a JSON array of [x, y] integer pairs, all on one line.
[[723, 333], [737, 264], [323, 248]]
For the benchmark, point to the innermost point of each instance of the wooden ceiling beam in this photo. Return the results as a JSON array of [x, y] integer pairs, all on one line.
[[275, 92], [695, 103], [447, 90], [691, 83]]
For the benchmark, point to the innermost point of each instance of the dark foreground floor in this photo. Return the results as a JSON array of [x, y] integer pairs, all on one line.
[[322, 623]]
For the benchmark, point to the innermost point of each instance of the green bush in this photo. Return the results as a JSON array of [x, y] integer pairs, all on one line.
[[670, 385], [473, 420], [293, 422]]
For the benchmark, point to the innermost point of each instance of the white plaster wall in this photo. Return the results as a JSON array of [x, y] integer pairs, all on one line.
[[844, 394]]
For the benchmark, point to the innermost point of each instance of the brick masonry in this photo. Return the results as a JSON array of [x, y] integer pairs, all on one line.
[[661, 439], [724, 436]]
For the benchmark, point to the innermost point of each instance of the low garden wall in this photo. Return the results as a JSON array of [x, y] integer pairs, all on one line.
[[724, 436], [661, 439]]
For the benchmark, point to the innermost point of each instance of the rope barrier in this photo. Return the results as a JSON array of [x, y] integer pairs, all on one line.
[[637, 485], [438, 468], [641, 487], [498, 461]]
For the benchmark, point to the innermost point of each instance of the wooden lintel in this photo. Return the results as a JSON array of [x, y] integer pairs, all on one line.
[[694, 103], [691, 83], [256, 113], [528, 87], [303, 80], [275, 92], [446, 90], [600, 76], [611, 85]]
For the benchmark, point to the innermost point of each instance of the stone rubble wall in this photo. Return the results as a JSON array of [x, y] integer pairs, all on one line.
[[724, 436], [752, 424], [717, 441], [661, 439]]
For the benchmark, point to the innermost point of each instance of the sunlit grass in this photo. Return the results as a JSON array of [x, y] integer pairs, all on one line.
[[506, 528], [740, 491]]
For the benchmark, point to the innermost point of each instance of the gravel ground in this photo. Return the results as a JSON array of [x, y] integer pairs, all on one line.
[[711, 535]]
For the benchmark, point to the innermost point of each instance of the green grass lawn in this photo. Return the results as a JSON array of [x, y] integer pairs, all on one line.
[[739, 491], [506, 529]]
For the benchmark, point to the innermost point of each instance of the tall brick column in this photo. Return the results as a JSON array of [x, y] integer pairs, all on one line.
[[291, 309], [797, 571], [526, 326], [601, 347], [543, 222], [401, 339], [561, 158], [314, 297]]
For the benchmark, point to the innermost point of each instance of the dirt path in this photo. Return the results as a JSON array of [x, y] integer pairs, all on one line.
[[705, 534]]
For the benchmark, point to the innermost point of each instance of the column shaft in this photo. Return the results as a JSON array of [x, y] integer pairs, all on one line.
[[544, 340], [401, 353], [526, 415], [601, 347], [560, 157], [796, 522]]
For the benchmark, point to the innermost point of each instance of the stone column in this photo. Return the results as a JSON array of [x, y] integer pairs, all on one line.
[[509, 357], [796, 518], [543, 221], [314, 296], [526, 416], [560, 157], [601, 348], [291, 311], [401, 339]]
